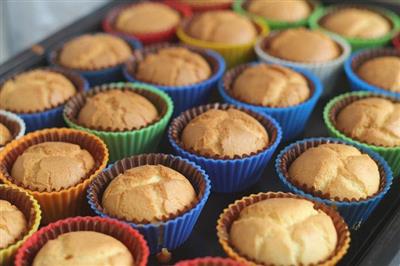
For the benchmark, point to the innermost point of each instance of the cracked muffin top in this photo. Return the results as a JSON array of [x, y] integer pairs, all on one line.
[[52, 166], [278, 10], [12, 224], [339, 170], [174, 66], [94, 51]]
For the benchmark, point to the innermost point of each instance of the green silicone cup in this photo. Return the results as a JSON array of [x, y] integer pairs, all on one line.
[[123, 144], [273, 24], [390, 154], [358, 43]]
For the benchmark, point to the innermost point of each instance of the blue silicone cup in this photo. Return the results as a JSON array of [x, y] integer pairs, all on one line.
[[184, 97], [101, 76], [357, 59], [292, 119], [355, 212], [51, 117], [228, 174], [171, 232]]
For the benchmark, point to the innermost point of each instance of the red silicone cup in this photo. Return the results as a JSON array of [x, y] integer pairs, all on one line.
[[120, 231], [211, 7], [210, 261], [396, 41], [162, 36]]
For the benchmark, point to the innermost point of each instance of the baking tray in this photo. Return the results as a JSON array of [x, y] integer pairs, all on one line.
[[377, 242]]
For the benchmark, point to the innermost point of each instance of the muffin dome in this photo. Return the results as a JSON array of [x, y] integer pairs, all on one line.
[[277, 10], [12, 224], [5, 134]]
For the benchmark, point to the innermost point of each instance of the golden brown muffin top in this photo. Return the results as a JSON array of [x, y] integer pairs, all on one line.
[[5, 134], [357, 23], [284, 231], [94, 51], [303, 45], [117, 110], [47, 88], [220, 26], [278, 10], [372, 120], [147, 17], [83, 248], [158, 192], [50, 166], [383, 72], [271, 85], [174, 66], [339, 170], [224, 133], [12, 224]]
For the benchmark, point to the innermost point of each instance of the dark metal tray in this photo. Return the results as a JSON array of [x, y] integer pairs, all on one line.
[[377, 242]]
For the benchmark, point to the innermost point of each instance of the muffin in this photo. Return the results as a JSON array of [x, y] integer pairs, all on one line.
[[224, 133], [82, 248], [277, 10], [303, 45], [371, 120], [338, 170], [284, 231], [173, 66], [12, 224], [5, 135], [357, 23], [382, 72], [94, 52], [117, 110], [270, 85], [159, 192], [224, 27], [52, 166], [48, 88]]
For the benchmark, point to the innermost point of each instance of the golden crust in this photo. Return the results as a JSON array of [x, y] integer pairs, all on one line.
[[5, 134], [278, 10], [12, 224]]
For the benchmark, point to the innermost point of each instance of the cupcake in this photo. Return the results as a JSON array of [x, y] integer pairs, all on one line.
[[315, 51], [278, 14], [288, 95], [170, 193], [11, 127], [374, 70], [98, 57], [209, 261], [367, 119], [207, 5], [226, 32], [150, 22], [50, 87], [84, 241], [232, 144], [55, 166], [351, 178], [185, 73], [278, 228], [129, 117], [19, 218], [362, 26]]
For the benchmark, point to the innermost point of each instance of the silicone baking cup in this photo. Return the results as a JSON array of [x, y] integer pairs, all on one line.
[[13, 123], [146, 38], [172, 231], [113, 73], [128, 141], [359, 43], [233, 54], [65, 202], [228, 174], [396, 41], [332, 109], [31, 210], [120, 231], [184, 97], [292, 119], [328, 72], [50, 117], [232, 213], [209, 261], [357, 59], [240, 6], [354, 211], [202, 6]]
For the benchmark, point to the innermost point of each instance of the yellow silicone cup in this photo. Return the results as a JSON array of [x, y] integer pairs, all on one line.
[[66, 202], [234, 54], [30, 207]]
